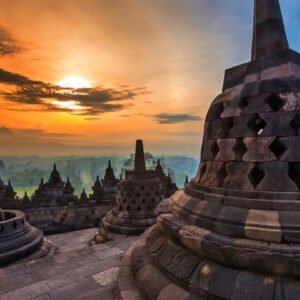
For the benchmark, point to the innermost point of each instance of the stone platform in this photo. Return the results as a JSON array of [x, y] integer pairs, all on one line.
[[77, 271]]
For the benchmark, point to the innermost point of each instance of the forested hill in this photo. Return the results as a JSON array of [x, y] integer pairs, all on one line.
[[26, 172]]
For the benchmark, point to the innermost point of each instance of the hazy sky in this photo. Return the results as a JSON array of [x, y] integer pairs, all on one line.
[[142, 69]]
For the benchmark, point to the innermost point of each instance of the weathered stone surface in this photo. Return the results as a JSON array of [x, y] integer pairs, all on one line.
[[259, 149], [139, 259], [256, 104], [211, 176], [290, 226], [182, 265], [57, 219], [191, 237], [291, 146], [231, 108], [223, 282], [276, 178], [107, 277], [173, 292], [292, 101], [249, 286], [220, 128], [237, 178], [252, 77], [241, 128], [215, 111], [285, 70], [271, 232], [75, 273], [210, 150], [278, 124], [231, 221], [203, 277], [158, 282], [225, 150]]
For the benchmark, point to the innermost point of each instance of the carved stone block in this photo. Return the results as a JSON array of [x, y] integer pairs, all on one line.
[[276, 178], [259, 149]]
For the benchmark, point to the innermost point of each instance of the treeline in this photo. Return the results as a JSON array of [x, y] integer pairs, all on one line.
[[25, 173]]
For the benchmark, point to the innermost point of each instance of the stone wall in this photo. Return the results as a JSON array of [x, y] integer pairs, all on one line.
[[56, 219]]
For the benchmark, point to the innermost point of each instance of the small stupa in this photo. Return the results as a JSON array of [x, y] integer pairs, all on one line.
[[137, 197], [104, 190], [18, 239], [233, 233]]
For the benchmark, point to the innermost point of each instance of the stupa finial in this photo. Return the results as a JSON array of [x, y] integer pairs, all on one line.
[[139, 163], [269, 35]]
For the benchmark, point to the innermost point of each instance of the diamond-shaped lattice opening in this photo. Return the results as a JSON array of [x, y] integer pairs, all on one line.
[[257, 124], [224, 128], [294, 173], [222, 174], [278, 148], [243, 103], [256, 176], [215, 149], [275, 102], [295, 123], [239, 149]]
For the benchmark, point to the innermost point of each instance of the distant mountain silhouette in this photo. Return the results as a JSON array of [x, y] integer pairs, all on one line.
[[5, 131]]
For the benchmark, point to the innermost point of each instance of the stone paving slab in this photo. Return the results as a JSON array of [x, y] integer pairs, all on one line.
[[77, 271]]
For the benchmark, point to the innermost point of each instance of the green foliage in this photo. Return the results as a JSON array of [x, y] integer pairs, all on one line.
[[26, 172]]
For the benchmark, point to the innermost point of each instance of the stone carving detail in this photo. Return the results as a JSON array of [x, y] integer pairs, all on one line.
[[238, 176], [276, 178], [225, 150], [259, 149]]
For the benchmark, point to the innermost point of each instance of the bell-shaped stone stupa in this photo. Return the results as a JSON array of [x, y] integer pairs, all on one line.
[[234, 231], [137, 197], [18, 239]]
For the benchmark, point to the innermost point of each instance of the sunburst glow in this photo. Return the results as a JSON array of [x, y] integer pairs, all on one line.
[[71, 105], [75, 82]]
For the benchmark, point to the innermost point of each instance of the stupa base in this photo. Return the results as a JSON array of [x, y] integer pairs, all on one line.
[[46, 249], [20, 241], [114, 227], [161, 267]]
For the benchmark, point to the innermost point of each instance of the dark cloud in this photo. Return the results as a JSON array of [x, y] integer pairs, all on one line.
[[91, 119], [39, 95], [8, 45], [165, 118]]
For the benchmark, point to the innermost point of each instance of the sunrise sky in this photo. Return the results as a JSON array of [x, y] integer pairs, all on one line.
[[89, 77]]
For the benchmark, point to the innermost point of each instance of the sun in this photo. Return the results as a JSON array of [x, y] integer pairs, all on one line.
[[75, 82]]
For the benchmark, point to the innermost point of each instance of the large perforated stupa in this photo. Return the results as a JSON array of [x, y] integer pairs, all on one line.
[[234, 231], [137, 197]]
